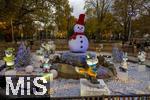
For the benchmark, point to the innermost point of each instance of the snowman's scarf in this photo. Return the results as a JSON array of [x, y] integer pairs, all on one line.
[[75, 35]]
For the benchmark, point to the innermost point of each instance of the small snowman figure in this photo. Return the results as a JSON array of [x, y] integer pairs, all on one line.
[[141, 56], [78, 42], [9, 57], [46, 65], [40, 52], [51, 47], [124, 64]]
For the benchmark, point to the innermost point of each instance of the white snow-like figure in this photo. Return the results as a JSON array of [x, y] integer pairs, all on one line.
[[46, 65], [80, 44], [40, 52], [54, 72], [78, 41], [124, 64], [29, 69], [142, 56], [49, 46]]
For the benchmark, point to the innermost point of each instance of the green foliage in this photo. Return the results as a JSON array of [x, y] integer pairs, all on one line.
[[122, 8], [141, 26], [98, 17], [106, 17], [62, 14], [70, 32], [28, 16], [71, 23]]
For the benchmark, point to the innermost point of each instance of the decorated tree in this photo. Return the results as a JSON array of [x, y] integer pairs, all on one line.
[[27, 59], [117, 54], [23, 56]]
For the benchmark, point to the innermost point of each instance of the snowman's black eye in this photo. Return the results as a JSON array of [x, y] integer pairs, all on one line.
[[78, 27]]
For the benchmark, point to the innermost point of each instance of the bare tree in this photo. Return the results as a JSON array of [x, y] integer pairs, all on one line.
[[100, 8]]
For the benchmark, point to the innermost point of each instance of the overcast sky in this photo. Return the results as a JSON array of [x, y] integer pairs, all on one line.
[[78, 7]]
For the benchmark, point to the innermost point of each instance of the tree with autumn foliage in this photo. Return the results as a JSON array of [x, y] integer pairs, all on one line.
[[122, 18], [132, 15], [22, 17], [100, 19]]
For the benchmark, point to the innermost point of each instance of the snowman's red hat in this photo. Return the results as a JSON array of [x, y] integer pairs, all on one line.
[[81, 19]]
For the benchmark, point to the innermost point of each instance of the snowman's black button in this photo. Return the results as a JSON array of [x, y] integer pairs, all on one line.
[[80, 36], [81, 47], [81, 41]]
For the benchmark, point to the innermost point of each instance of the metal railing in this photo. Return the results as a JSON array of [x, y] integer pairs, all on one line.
[[110, 97], [103, 97]]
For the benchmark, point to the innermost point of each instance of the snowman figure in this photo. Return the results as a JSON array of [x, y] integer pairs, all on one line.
[[78, 42], [46, 65], [51, 47], [142, 56], [124, 64]]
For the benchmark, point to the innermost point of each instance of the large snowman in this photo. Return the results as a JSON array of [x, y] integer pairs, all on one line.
[[78, 42]]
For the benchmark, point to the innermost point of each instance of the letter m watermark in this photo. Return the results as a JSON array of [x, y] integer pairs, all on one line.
[[9, 84]]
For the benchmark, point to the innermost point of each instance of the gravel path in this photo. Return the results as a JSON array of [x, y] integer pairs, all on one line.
[[137, 84]]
